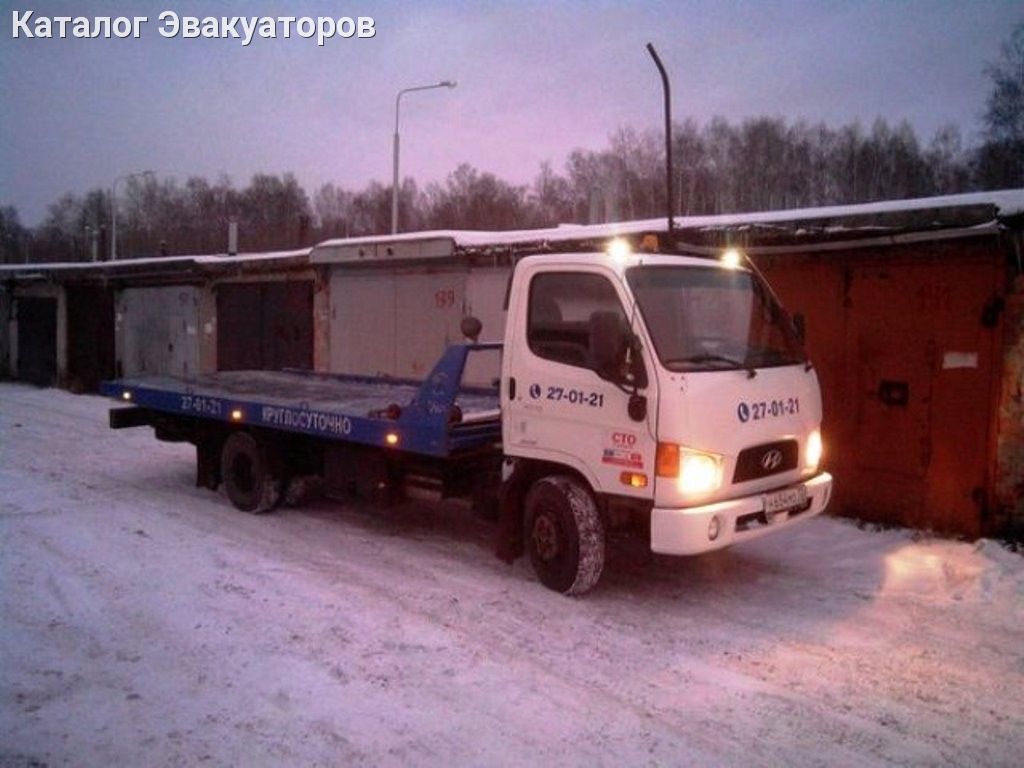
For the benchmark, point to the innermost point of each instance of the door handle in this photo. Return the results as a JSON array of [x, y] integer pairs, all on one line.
[[511, 387]]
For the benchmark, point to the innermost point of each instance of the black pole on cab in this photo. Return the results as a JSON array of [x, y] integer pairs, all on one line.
[[668, 136]]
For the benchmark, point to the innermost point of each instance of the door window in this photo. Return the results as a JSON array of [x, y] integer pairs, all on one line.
[[560, 311]]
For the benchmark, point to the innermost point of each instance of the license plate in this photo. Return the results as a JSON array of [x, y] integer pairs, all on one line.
[[785, 500]]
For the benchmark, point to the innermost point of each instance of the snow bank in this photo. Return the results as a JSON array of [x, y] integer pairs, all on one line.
[[985, 573]]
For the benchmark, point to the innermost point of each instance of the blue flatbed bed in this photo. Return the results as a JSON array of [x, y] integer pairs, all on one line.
[[436, 417]]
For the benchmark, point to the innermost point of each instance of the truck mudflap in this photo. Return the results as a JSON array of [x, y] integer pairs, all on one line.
[[129, 417], [692, 530]]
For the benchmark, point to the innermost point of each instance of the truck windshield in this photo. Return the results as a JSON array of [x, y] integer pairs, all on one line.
[[712, 318]]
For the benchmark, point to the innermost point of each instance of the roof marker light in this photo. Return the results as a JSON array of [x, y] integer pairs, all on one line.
[[619, 249], [732, 258], [391, 438]]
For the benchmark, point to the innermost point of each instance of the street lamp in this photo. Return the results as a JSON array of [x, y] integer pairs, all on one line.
[[394, 174], [113, 209]]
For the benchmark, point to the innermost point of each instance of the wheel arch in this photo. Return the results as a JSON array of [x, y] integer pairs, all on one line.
[[511, 514]]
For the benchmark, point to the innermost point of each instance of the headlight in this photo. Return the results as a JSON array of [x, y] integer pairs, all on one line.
[[813, 450], [695, 472], [699, 472]]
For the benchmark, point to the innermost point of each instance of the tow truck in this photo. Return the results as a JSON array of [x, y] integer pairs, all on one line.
[[640, 388]]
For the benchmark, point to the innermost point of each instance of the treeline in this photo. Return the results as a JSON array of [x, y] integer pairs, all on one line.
[[756, 165], [721, 167]]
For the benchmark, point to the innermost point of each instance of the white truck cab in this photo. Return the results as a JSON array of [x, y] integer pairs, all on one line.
[[668, 393]]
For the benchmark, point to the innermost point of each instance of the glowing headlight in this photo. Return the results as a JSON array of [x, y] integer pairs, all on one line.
[[698, 472], [812, 453]]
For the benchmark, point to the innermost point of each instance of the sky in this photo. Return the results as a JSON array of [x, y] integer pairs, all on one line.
[[535, 81]]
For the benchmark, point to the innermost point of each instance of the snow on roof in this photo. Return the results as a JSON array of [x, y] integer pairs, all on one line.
[[247, 257], [1005, 203], [180, 262], [831, 220]]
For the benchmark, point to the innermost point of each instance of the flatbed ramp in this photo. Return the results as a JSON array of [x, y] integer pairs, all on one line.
[[331, 393], [436, 417]]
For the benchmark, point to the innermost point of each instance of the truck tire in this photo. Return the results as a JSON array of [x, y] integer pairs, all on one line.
[[564, 534], [251, 477]]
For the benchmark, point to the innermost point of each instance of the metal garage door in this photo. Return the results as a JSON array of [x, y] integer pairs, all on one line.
[[398, 322], [394, 323], [905, 342], [265, 326], [90, 337], [37, 340], [157, 331], [922, 352]]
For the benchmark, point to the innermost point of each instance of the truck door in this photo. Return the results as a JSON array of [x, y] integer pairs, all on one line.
[[561, 410]]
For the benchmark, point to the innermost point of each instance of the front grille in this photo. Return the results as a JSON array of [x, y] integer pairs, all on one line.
[[765, 460]]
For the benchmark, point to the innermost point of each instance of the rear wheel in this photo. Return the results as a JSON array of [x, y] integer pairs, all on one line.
[[252, 477], [564, 534]]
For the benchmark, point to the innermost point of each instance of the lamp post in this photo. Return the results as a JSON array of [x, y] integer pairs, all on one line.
[[394, 169], [113, 209]]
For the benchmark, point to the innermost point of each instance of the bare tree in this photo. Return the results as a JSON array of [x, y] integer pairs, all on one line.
[[13, 236], [1001, 159]]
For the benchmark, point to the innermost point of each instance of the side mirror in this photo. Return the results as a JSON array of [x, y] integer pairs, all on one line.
[[800, 325], [608, 341], [637, 407]]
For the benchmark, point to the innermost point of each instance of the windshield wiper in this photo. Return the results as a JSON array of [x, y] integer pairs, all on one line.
[[769, 356], [706, 357], [711, 357]]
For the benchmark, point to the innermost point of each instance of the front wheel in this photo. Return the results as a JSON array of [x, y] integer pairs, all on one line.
[[564, 534]]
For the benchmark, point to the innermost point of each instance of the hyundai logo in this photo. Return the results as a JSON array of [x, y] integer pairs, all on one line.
[[771, 460]]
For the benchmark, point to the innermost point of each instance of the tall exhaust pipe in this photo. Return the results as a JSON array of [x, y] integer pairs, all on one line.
[[670, 195]]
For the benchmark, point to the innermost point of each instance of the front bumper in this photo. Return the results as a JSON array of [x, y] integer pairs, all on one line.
[[685, 531]]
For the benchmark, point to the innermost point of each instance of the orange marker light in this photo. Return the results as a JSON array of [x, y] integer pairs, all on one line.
[[633, 479], [391, 438], [666, 461], [236, 415]]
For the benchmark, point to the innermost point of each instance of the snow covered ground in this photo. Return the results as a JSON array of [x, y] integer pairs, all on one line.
[[146, 622]]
